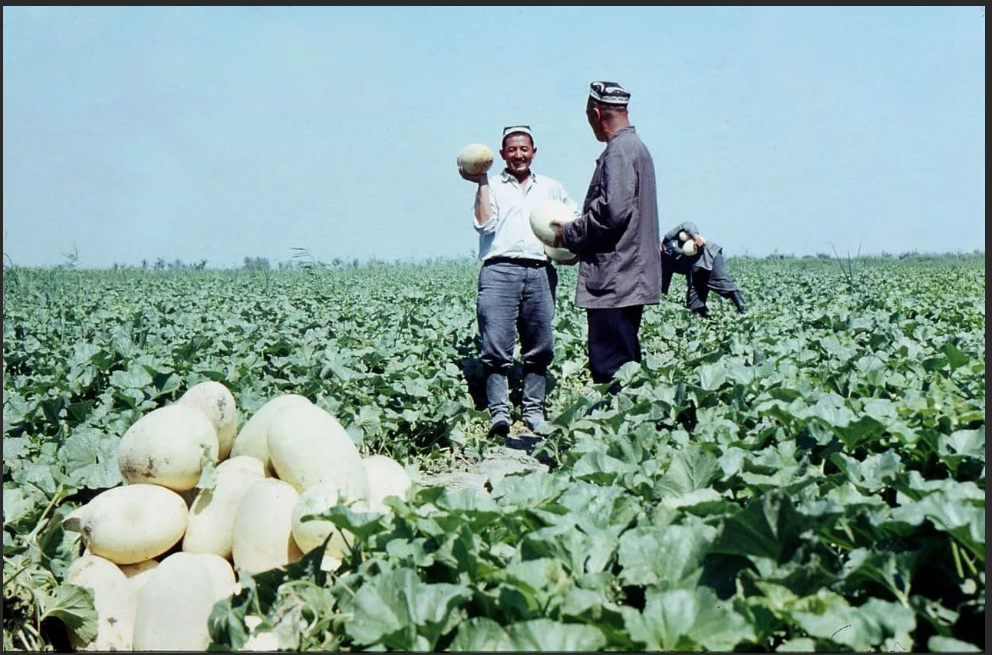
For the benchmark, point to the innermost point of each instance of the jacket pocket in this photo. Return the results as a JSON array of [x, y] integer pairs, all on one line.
[[601, 277]]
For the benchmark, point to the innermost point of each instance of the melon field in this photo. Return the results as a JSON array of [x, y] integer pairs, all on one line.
[[806, 477]]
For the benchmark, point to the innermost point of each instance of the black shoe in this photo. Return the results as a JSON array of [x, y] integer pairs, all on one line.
[[500, 427], [702, 312]]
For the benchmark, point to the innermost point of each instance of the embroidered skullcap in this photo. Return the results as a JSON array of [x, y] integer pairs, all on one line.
[[609, 93], [517, 129]]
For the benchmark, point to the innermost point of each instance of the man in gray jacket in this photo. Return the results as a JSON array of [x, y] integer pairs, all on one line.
[[704, 269], [615, 237]]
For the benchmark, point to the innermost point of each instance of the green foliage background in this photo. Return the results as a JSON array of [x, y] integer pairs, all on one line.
[[810, 476]]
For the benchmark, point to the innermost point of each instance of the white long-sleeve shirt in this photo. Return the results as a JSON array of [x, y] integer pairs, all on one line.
[[508, 232]]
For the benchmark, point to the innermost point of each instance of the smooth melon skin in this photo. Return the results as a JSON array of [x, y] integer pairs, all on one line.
[[263, 527], [174, 606], [131, 523], [308, 447], [561, 255], [137, 573], [168, 447], [252, 440], [387, 477], [541, 215], [311, 534], [210, 527], [221, 573], [114, 599], [218, 403]]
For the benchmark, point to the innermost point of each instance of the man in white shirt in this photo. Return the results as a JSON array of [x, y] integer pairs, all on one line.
[[517, 281]]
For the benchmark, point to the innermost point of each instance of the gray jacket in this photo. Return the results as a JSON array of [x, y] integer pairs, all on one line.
[[617, 235], [673, 247]]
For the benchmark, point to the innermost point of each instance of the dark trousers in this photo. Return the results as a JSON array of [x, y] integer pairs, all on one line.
[[613, 340], [700, 282]]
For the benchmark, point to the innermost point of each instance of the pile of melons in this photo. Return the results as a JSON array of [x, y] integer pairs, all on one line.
[[163, 548]]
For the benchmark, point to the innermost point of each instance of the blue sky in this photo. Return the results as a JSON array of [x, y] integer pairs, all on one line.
[[218, 133]]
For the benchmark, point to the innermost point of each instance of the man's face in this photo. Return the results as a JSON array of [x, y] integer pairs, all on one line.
[[518, 152]]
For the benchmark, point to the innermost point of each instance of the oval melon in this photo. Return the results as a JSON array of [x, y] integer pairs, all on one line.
[[543, 213], [387, 477], [210, 527], [252, 440], [308, 446], [168, 447], [263, 527], [311, 534], [217, 402], [116, 603], [174, 606], [475, 158], [221, 573], [131, 523]]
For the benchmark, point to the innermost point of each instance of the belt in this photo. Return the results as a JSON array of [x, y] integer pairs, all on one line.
[[518, 261]]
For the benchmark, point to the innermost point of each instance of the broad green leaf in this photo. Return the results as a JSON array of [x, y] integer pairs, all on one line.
[[939, 644], [552, 636], [670, 557], [90, 459], [481, 634], [768, 527], [21, 508], [687, 619], [134, 378], [689, 470], [399, 612], [73, 605], [828, 616]]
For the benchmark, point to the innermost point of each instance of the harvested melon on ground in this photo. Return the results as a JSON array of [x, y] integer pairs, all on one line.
[[168, 446], [210, 527], [252, 440], [131, 523], [386, 477], [174, 606], [221, 573], [217, 402], [312, 533], [263, 527], [308, 447], [137, 573], [113, 598]]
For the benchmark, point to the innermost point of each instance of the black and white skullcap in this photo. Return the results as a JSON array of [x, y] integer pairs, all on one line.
[[609, 93]]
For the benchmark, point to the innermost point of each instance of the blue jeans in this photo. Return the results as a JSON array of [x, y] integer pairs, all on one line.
[[516, 298]]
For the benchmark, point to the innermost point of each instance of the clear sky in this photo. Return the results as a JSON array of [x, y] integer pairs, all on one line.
[[218, 133]]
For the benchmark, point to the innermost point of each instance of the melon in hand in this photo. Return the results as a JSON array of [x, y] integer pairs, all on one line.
[[543, 213]]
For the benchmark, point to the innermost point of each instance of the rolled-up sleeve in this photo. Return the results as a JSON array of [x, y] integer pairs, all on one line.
[[489, 226]]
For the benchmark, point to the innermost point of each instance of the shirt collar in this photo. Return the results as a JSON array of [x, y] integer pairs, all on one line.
[[507, 177]]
